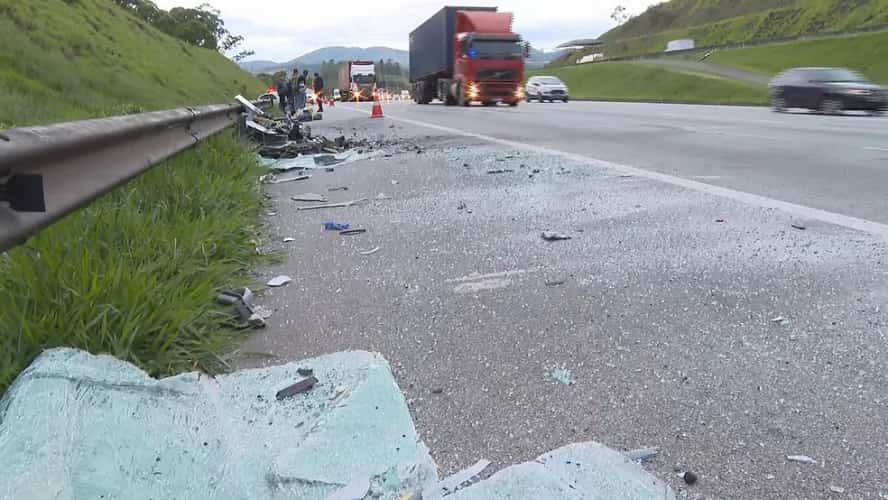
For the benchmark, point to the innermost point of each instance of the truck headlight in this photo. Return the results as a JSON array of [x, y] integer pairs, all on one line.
[[472, 90], [519, 93]]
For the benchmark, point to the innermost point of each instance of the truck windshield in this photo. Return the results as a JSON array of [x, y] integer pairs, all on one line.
[[363, 79], [496, 49]]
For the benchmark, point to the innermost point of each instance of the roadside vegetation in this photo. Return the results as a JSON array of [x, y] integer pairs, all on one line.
[[867, 54], [721, 22], [624, 81], [135, 273]]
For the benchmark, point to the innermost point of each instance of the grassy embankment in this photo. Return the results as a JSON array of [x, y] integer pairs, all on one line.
[[720, 22], [621, 81], [134, 274], [865, 53]]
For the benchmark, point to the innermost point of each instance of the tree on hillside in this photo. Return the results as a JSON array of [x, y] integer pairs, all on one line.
[[201, 26], [620, 15]]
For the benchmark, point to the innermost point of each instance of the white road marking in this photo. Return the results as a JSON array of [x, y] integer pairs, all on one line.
[[876, 149], [802, 211]]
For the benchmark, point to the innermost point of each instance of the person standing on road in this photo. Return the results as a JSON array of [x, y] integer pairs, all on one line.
[[319, 91], [283, 90], [294, 91]]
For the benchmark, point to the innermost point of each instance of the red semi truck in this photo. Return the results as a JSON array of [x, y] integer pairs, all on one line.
[[467, 54], [357, 81]]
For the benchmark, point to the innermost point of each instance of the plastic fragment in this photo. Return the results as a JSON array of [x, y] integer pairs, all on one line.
[[836, 489], [352, 232], [279, 281], [344, 204], [309, 197], [804, 459], [336, 226], [371, 251], [562, 375], [289, 240]]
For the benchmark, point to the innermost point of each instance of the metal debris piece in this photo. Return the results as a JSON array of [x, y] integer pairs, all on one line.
[[279, 281], [291, 179], [799, 227], [438, 390], [297, 388], [500, 171], [462, 205], [246, 294], [338, 188], [289, 240], [553, 236], [803, 459], [305, 372], [394, 182], [271, 214], [327, 160], [256, 321], [720, 221], [555, 282], [345, 204], [371, 251], [228, 299], [309, 197], [642, 454], [352, 232], [453, 483], [836, 489], [355, 490], [690, 478], [382, 196]]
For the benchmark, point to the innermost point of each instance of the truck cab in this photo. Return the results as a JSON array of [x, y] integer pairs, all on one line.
[[488, 67]]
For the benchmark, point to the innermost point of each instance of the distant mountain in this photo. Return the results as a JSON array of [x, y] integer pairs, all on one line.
[[312, 60]]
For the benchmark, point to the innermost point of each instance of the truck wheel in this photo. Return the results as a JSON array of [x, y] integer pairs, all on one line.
[[461, 97], [513, 103]]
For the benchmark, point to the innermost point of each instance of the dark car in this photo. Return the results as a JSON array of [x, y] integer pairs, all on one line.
[[827, 90]]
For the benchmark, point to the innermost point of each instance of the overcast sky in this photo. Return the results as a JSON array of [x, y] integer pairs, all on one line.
[[281, 30]]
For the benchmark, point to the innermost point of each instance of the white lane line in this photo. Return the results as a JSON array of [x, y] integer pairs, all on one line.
[[875, 149], [802, 211]]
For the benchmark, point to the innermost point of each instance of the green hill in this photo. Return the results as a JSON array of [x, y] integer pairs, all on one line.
[[71, 59], [133, 274], [718, 22]]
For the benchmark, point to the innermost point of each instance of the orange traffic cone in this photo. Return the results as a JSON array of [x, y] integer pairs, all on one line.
[[377, 107]]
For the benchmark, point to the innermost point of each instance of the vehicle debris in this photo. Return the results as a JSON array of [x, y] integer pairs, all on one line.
[[352, 232], [803, 459], [780, 320], [836, 489], [555, 282], [344, 204], [461, 205], [336, 226], [309, 197], [562, 375], [690, 478], [642, 454], [500, 171], [720, 221], [382, 196], [799, 227], [290, 179], [553, 236], [289, 240], [371, 251], [338, 188], [297, 388], [279, 281], [305, 372], [453, 482], [355, 490]]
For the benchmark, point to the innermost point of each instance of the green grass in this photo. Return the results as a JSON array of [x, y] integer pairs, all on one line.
[[623, 81], [72, 59], [720, 22], [865, 53], [135, 273]]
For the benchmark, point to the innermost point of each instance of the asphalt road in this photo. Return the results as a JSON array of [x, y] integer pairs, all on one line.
[[689, 312]]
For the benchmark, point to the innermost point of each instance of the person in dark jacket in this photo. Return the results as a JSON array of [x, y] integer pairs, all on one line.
[[319, 92], [283, 90], [294, 90]]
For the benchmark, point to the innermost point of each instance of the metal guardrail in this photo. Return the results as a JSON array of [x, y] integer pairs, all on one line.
[[47, 172]]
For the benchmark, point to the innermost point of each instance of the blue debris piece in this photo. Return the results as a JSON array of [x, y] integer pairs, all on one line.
[[336, 226]]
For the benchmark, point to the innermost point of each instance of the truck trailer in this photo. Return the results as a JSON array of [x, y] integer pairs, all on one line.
[[357, 81], [467, 54]]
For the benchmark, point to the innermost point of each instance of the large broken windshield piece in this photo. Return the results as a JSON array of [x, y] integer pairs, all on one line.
[[74, 425]]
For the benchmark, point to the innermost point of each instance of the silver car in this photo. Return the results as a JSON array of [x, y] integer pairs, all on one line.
[[546, 88]]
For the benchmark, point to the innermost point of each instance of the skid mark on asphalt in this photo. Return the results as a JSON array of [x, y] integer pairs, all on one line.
[[863, 225]]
